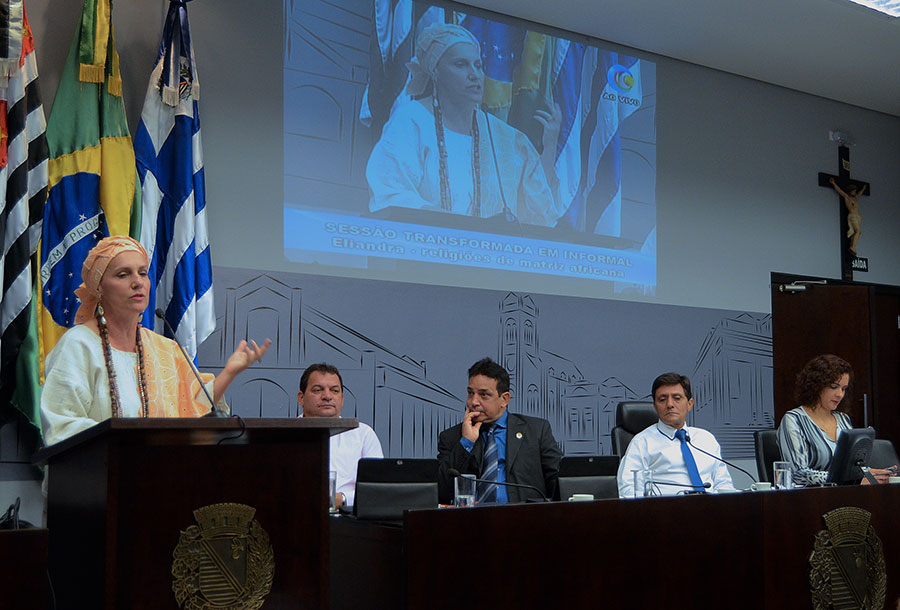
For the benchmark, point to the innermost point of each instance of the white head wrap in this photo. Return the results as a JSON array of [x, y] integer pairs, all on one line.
[[93, 268], [431, 45]]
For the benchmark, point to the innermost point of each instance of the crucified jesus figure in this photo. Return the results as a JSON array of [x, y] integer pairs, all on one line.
[[851, 200]]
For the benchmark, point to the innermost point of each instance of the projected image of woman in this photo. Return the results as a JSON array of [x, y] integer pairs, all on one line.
[[441, 151]]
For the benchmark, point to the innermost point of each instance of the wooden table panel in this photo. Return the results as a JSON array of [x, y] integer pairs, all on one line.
[[743, 550]]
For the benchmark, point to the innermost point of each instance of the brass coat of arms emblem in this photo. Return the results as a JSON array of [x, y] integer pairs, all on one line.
[[225, 561], [847, 563]]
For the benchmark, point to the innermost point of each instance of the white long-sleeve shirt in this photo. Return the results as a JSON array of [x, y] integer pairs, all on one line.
[[345, 450], [657, 449]]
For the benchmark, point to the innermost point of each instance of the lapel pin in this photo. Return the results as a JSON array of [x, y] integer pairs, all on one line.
[[519, 435]]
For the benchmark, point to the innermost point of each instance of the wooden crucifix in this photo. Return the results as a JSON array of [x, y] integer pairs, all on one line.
[[849, 191]]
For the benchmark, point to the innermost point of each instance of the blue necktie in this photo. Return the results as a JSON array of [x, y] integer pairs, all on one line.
[[696, 481], [487, 492]]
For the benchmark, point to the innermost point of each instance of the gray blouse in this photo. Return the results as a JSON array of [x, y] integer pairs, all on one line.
[[807, 447]]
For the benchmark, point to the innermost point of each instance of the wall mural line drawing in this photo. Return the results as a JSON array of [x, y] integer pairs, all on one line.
[[403, 350]]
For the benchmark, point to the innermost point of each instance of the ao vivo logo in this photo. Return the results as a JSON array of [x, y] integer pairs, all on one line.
[[622, 80]]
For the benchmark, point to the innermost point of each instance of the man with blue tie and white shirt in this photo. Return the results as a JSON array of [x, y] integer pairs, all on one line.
[[687, 458]]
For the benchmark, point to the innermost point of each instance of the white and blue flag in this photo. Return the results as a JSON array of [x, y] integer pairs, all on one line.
[[170, 166], [613, 93]]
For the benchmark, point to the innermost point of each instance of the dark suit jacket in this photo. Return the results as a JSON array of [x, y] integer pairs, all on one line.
[[532, 458]]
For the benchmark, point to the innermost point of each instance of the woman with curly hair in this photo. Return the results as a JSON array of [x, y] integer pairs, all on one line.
[[807, 435]]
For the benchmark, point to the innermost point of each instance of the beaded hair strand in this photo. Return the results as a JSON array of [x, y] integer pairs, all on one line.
[[446, 196], [446, 202], [476, 167], [107, 357], [142, 374], [111, 372]]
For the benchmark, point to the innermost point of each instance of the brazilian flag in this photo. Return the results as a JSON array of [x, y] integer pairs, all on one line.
[[92, 173]]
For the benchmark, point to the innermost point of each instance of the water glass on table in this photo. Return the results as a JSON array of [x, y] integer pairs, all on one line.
[[643, 483], [783, 475], [332, 491], [464, 490]]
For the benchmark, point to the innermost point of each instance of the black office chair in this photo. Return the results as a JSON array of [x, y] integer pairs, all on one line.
[[883, 454], [632, 416], [767, 451], [387, 487], [588, 474]]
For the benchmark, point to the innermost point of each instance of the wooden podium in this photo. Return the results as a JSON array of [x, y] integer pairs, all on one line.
[[121, 492]]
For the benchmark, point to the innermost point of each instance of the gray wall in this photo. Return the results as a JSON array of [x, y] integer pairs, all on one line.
[[737, 187], [403, 356]]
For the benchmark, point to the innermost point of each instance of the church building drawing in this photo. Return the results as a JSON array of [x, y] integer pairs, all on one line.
[[392, 392]]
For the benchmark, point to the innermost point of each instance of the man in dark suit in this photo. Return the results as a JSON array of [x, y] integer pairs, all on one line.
[[493, 444]]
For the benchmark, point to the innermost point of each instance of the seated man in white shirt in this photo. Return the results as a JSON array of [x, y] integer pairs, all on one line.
[[322, 395], [659, 447]]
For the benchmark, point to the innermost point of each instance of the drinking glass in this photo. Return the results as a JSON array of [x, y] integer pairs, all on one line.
[[464, 490], [643, 483], [783, 475], [332, 491]]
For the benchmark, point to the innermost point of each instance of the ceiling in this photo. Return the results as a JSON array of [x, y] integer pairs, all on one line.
[[830, 48]]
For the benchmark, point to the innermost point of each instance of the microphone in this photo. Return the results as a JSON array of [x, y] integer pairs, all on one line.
[[706, 485], [453, 472], [507, 214], [687, 438], [865, 472], [214, 411]]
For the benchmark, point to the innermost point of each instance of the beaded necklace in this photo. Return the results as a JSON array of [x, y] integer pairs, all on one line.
[[111, 372], [446, 200]]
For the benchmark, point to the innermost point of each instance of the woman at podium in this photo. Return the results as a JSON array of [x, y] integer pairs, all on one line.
[[108, 365], [807, 435]]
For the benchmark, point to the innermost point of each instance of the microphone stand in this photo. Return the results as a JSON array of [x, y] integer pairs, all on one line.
[[214, 410], [693, 488], [455, 473], [865, 471], [687, 437]]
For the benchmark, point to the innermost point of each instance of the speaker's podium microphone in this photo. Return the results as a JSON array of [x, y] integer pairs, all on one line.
[[453, 472], [214, 411]]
